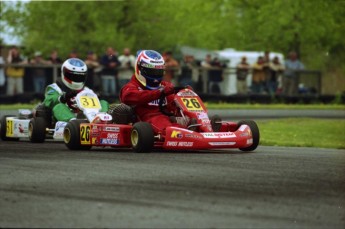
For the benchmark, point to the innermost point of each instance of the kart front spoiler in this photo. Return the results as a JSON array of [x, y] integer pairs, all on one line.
[[179, 138]]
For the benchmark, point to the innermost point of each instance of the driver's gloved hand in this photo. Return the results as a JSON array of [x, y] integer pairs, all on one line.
[[167, 90], [67, 96]]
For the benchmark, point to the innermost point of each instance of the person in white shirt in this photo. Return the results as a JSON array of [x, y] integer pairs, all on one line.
[[127, 61]]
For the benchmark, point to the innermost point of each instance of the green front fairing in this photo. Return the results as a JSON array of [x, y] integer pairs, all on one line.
[[104, 105]]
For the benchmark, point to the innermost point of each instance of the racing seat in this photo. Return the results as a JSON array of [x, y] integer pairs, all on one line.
[[122, 114], [44, 112]]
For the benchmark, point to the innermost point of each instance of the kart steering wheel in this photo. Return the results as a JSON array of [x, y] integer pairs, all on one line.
[[161, 100]]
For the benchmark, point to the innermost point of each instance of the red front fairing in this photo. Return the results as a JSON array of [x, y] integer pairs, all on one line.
[[179, 138], [192, 106], [105, 134]]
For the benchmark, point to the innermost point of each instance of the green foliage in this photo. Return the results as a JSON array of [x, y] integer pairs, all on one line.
[[303, 132], [314, 28]]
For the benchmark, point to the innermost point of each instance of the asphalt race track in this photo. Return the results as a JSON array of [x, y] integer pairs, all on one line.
[[46, 185]]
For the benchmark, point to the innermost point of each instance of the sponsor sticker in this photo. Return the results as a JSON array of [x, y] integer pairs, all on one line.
[[192, 136], [243, 127], [170, 143], [112, 135], [112, 128], [219, 135], [186, 144], [186, 93], [222, 143], [110, 141], [176, 134], [179, 144], [202, 115]]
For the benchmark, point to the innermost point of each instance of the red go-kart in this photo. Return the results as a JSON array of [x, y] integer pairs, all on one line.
[[199, 132]]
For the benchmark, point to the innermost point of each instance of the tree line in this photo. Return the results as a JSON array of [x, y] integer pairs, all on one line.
[[313, 28]]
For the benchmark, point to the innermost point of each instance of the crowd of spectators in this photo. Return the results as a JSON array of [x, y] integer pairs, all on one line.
[[270, 76], [107, 73]]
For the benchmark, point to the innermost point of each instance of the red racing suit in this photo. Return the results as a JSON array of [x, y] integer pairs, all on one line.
[[145, 104]]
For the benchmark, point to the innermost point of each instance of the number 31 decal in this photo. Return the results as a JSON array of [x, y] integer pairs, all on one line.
[[89, 102]]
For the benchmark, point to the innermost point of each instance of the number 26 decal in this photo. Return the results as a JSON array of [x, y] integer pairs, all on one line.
[[192, 104]]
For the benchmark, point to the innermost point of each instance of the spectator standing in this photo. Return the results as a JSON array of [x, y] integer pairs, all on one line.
[[290, 77], [39, 73], [259, 76], [267, 62], [127, 61], [215, 76], [205, 67], [2, 74], [242, 71], [171, 66], [206, 63], [54, 58], [15, 75], [276, 70], [189, 71], [110, 63], [73, 54], [93, 67]]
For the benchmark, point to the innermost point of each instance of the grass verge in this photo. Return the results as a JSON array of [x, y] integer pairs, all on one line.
[[303, 132]]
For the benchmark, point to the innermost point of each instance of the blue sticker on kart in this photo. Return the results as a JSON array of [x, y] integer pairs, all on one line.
[[110, 141]]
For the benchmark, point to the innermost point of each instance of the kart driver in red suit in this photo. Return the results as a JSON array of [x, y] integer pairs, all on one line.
[[143, 91]]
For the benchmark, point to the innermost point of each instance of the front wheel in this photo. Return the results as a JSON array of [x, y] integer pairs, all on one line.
[[71, 135], [255, 134], [142, 137], [37, 130]]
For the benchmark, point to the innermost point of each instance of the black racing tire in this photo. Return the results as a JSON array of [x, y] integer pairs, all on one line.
[[71, 135], [214, 123], [142, 137], [255, 134], [37, 130], [3, 129]]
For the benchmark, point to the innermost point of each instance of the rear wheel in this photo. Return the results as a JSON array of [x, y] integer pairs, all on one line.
[[255, 134], [71, 135], [142, 137], [37, 130], [3, 129]]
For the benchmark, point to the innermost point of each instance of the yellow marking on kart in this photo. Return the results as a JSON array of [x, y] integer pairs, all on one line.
[[90, 102], [176, 134], [192, 104], [9, 128], [85, 134]]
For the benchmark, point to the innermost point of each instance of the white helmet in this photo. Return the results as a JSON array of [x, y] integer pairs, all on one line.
[[149, 68], [74, 73]]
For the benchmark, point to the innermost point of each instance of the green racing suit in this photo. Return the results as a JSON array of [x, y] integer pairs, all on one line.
[[61, 111]]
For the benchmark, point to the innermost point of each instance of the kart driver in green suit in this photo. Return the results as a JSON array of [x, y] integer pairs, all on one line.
[[60, 96]]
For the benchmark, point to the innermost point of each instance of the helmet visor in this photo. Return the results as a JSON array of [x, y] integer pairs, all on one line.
[[153, 76], [73, 76]]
